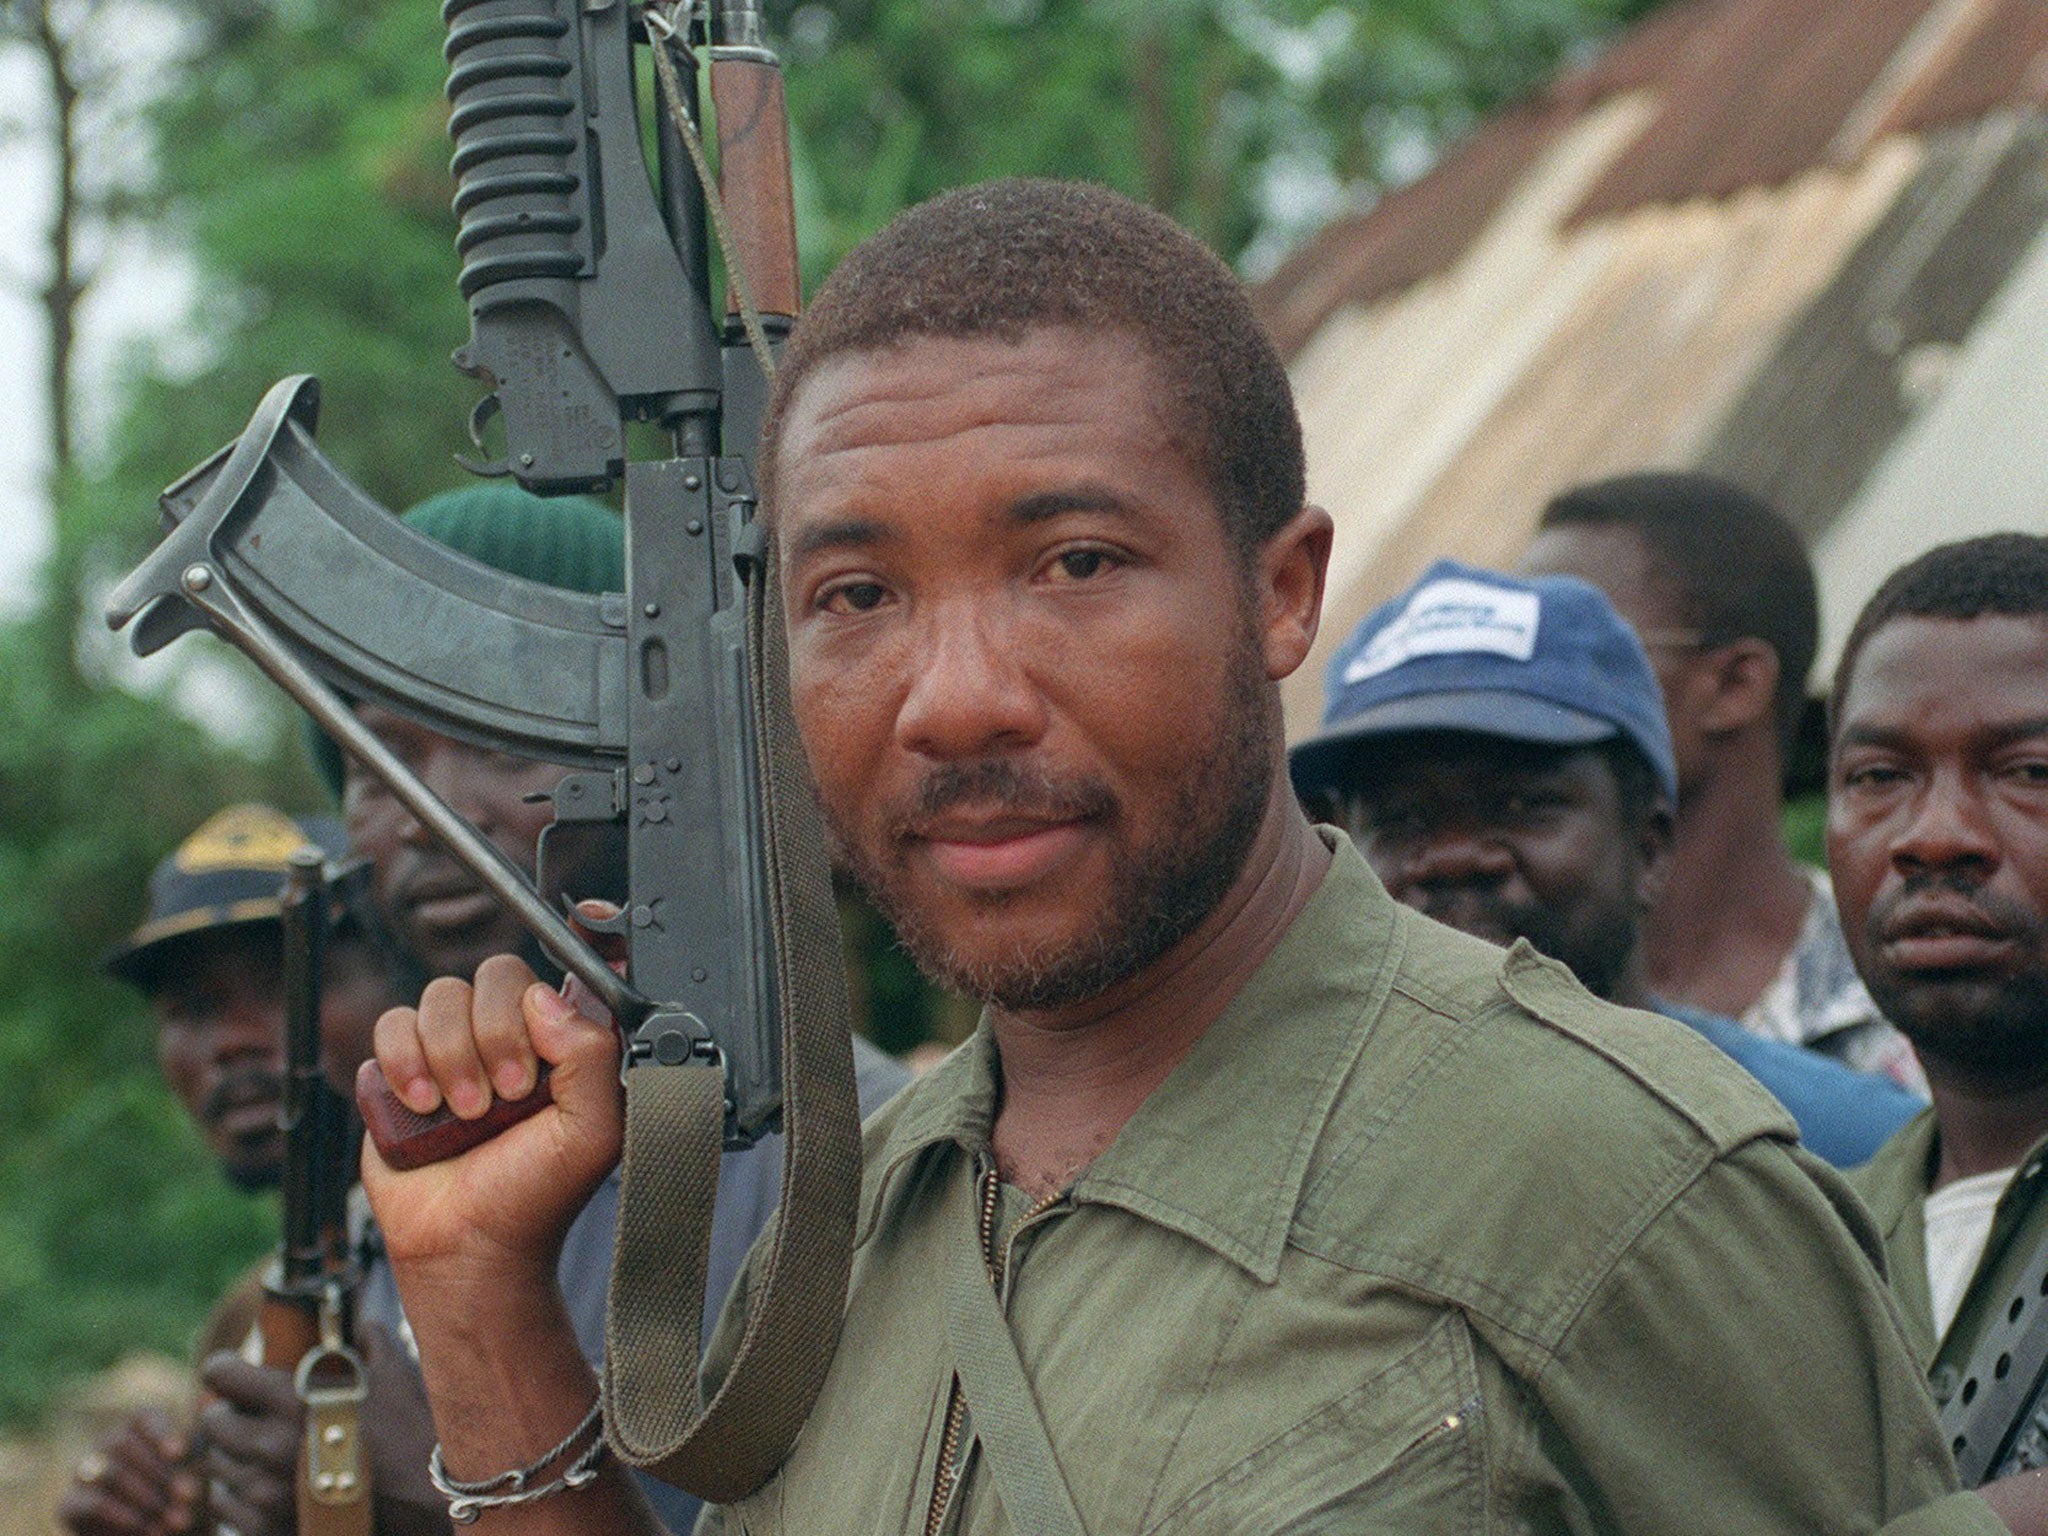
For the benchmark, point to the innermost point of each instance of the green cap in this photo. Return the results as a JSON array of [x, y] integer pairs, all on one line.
[[565, 541]]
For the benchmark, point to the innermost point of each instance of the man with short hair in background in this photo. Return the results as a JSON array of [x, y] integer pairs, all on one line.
[[1938, 839], [1721, 592], [1497, 749]]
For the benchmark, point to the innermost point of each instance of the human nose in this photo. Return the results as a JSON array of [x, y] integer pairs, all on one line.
[[1947, 829], [446, 771], [1454, 853], [971, 693], [244, 1027]]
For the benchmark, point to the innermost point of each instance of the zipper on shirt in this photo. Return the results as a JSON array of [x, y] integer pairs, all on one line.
[[946, 1476]]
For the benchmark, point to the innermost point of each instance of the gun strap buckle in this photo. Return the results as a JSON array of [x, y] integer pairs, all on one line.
[[671, 1037], [333, 1384]]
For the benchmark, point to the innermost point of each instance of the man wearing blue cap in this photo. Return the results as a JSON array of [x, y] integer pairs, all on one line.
[[1498, 748]]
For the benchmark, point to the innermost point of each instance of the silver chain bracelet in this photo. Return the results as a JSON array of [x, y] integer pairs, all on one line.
[[468, 1500]]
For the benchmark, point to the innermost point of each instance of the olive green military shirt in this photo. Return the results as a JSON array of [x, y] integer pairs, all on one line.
[[1895, 1185], [1418, 1238]]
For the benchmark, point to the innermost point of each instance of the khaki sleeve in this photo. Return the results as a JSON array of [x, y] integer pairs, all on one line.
[[1740, 1368], [1960, 1514]]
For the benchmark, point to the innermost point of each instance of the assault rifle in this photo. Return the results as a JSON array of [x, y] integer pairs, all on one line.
[[586, 269], [309, 1293], [1995, 1411]]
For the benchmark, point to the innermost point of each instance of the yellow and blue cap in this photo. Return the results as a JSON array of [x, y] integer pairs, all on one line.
[[231, 870]]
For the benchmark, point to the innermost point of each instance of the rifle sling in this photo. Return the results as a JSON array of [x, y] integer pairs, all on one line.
[[1004, 1409], [654, 1414]]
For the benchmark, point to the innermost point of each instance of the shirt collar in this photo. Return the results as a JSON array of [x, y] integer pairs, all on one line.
[[1220, 1151]]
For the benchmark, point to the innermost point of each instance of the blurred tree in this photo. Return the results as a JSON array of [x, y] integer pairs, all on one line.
[[115, 1230], [1250, 121], [82, 114], [302, 162]]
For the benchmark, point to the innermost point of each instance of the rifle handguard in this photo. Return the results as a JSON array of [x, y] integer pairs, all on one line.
[[754, 178], [406, 1139]]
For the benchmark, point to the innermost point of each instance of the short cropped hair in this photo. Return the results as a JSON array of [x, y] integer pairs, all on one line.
[[2001, 573], [1007, 257], [1737, 565]]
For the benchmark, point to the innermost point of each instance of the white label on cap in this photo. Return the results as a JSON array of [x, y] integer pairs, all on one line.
[[1448, 617]]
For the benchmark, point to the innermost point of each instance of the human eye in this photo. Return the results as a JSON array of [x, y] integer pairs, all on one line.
[[181, 1011], [854, 595], [1871, 776], [1532, 803], [510, 766], [1388, 822], [1082, 562], [2028, 769]]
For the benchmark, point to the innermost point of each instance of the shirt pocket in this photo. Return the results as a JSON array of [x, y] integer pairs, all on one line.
[[1401, 1451]]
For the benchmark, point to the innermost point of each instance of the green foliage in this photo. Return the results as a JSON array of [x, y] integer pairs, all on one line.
[[303, 164], [1219, 112], [300, 162], [1806, 822], [115, 1231]]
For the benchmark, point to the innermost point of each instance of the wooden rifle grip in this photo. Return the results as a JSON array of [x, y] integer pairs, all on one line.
[[754, 181], [405, 1139]]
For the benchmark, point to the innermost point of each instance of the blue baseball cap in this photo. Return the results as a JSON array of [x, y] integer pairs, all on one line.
[[1544, 660]]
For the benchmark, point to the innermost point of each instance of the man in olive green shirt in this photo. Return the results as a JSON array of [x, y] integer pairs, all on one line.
[[1258, 1204], [1418, 1237], [1938, 842]]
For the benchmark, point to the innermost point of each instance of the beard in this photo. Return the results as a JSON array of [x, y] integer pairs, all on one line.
[[1157, 892], [1992, 1025], [253, 1160]]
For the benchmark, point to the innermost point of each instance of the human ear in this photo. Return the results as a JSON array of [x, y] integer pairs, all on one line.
[[1653, 848], [1292, 567], [1742, 686]]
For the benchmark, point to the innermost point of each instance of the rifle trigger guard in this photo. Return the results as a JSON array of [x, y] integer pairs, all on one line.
[[619, 924]]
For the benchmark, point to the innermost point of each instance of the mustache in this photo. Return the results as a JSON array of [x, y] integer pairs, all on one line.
[[241, 1085], [1999, 912], [430, 872], [1448, 901], [1004, 786]]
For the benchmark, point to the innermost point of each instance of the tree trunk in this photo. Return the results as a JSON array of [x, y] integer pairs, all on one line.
[[61, 294]]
